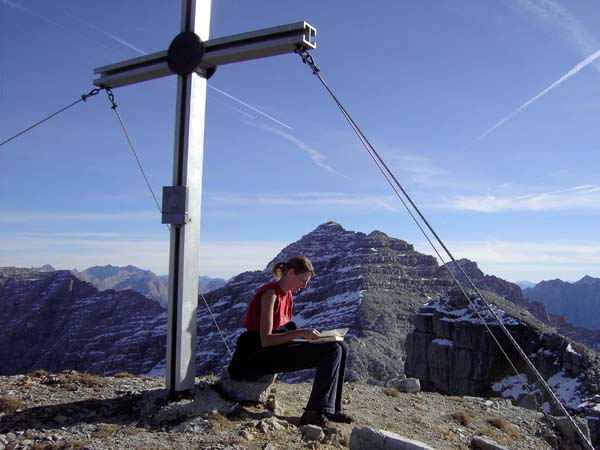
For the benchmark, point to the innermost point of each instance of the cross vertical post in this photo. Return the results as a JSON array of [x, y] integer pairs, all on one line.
[[185, 239]]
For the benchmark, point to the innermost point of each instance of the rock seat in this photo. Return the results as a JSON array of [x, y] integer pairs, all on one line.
[[257, 390]]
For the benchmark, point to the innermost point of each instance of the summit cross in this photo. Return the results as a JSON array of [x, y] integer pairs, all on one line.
[[194, 59]]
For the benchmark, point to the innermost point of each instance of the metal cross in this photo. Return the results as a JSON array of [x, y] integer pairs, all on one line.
[[191, 54]]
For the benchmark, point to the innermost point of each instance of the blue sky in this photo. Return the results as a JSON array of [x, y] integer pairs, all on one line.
[[487, 112]]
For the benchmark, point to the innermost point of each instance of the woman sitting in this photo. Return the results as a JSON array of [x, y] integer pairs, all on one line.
[[272, 344]]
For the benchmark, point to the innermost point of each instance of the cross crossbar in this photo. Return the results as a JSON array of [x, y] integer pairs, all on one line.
[[240, 47]]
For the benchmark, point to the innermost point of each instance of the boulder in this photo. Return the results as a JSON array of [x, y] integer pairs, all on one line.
[[365, 438], [594, 426], [483, 443], [247, 391], [568, 436], [457, 298], [312, 433], [199, 403], [410, 385]]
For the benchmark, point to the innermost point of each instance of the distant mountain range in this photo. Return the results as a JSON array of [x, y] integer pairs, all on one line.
[[577, 302], [131, 277]]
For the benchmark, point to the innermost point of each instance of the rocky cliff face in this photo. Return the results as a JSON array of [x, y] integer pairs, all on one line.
[[54, 321], [451, 351], [577, 302], [528, 299]]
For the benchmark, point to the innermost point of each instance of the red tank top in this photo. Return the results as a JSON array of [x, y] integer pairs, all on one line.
[[282, 311]]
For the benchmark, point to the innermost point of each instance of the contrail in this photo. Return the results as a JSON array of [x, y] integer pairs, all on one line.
[[39, 16], [316, 156], [52, 22], [587, 61], [250, 107], [111, 36]]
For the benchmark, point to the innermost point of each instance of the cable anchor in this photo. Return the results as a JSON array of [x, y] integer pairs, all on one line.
[[308, 59], [111, 98], [93, 92]]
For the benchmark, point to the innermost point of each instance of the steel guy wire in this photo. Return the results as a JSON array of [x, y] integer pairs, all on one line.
[[83, 98], [379, 165], [307, 59], [215, 322], [475, 308], [111, 99]]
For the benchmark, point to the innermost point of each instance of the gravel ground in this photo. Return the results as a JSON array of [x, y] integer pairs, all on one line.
[[77, 411]]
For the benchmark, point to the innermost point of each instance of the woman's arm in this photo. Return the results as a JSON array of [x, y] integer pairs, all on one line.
[[267, 338]]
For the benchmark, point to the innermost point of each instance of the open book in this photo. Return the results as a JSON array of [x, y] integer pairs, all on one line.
[[331, 336]]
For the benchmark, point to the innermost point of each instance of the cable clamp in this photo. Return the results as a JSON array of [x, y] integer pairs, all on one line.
[[93, 92], [308, 59], [111, 98]]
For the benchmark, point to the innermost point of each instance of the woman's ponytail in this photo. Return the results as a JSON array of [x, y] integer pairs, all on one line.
[[279, 270], [300, 264]]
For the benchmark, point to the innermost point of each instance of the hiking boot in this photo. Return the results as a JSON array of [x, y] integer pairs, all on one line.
[[340, 417], [313, 418]]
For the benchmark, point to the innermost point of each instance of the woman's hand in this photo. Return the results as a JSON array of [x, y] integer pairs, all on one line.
[[307, 333]]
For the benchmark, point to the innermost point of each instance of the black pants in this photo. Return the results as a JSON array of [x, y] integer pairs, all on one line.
[[250, 361]]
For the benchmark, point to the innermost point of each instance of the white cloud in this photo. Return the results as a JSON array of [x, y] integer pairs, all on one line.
[[508, 259], [227, 258], [418, 165], [420, 169], [308, 199], [559, 18], [578, 197], [68, 216], [147, 251], [528, 260], [82, 250]]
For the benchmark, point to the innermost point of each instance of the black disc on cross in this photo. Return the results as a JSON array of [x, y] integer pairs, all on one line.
[[185, 53]]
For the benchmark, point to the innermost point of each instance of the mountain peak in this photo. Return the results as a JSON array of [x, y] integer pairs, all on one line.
[[378, 234], [330, 227], [587, 280]]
